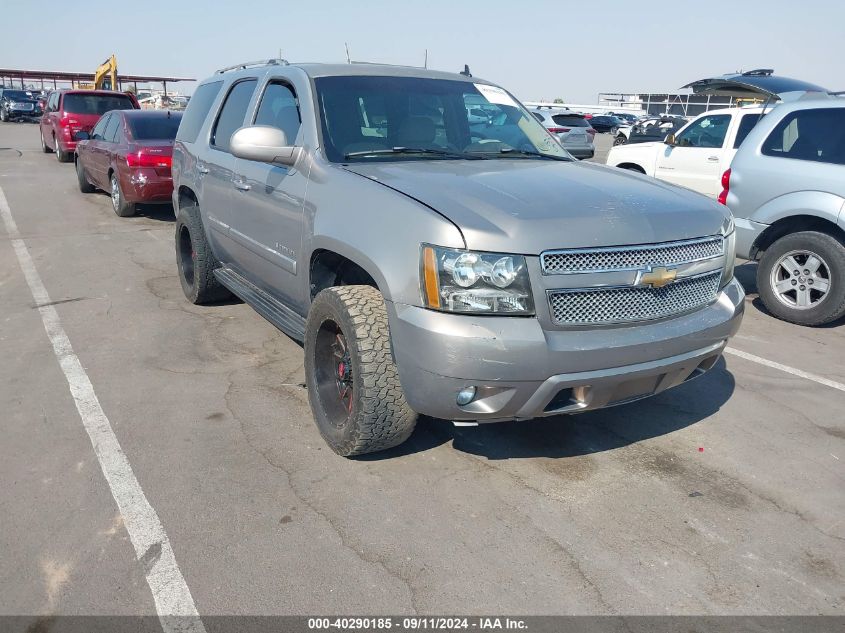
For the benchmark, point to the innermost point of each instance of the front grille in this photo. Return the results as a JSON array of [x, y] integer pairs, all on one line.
[[585, 260], [599, 306]]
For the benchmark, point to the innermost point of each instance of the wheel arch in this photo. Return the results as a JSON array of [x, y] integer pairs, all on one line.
[[336, 264], [631, 166], [794, 224]]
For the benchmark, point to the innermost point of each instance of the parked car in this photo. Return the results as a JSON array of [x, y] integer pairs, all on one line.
[[18, 105], [786, 188], [697, 155], [605, 123], [434, 269], [72, 111], [626, 118], [128, 154], [571, 129]]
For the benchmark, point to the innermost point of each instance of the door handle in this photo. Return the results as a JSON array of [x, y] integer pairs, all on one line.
[[202, 168], [240, 185], [713, 159]]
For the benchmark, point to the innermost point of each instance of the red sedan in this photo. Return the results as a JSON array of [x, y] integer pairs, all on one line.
[[128, 154]]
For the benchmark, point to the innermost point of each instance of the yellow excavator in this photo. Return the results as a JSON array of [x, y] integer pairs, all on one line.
[[105, 77]]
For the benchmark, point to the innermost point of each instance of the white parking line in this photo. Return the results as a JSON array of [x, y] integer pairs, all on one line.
[[152, 547], [789, 370]]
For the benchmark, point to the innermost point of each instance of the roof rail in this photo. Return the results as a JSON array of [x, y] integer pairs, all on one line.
[[263, 62]]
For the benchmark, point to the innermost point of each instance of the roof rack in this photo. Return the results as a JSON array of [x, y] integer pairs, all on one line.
[[263, 62]]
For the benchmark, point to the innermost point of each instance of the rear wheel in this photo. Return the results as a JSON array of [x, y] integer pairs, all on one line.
[[620, 139], [352, 378], [195, 260], [61, 156], [84, 185], [121, 207], [801, 278]]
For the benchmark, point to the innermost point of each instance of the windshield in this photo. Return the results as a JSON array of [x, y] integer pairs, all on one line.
[[369, 118], [155, 127], [96, 104], [16, 94]]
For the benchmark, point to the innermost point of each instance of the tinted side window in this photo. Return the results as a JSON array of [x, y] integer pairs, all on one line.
[[232, 114], [746, 124], [197, 111], [97, 132], [709, 131], [111, 128], [817, 135], [54, 102], [279, 108]]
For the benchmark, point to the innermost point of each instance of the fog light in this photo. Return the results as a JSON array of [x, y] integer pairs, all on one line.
[[465, 396]]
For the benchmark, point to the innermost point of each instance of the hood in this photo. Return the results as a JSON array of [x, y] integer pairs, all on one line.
[[527, 206], [753, 83]]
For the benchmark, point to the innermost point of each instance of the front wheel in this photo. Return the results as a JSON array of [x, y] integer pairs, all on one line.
[[4, 116], [801, 278], [620, 139], [351, 374], [84, 185]]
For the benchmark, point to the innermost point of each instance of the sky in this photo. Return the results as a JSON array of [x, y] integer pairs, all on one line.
[[537, 49]]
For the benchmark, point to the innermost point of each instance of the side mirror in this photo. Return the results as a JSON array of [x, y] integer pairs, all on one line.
[[265, 144], [670, 139], [81, 135]]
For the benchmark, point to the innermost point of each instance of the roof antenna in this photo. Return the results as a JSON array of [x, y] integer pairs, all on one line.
[[465, 72], [348, 61]]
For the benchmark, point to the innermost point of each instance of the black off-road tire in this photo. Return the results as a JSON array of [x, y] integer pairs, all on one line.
[[84, 185], [4, 116], [380, 417], [195, 261], [832, 251]]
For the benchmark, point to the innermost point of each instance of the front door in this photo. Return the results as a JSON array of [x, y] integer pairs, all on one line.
[[698, 157], [217, 166], [268, 203]]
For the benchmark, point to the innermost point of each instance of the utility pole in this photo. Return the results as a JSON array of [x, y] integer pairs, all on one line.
[[348, 61], [425, 64]]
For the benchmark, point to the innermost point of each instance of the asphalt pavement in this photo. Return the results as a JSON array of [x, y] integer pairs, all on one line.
[[722, 496]]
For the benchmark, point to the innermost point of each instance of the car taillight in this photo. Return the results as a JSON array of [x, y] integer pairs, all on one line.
[[559, 130], [144, 158], [726, 187], [591, 131]]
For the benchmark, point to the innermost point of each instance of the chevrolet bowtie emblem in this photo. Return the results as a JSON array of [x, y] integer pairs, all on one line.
[[656, 277]]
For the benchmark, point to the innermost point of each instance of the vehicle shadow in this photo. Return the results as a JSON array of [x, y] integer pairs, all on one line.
[[583, 434], [160, 212]]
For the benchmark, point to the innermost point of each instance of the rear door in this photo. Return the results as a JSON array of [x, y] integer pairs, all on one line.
[[699, 156], [268, 202]]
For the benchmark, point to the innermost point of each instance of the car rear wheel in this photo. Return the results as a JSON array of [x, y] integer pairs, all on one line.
[[351, 375], [61, 156], [195, 261], [801, 278], [84, 185], [121, 207]]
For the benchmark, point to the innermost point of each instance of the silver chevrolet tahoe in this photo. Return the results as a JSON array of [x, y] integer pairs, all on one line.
[[440, 264]]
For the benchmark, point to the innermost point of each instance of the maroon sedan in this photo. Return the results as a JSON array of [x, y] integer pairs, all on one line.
[[128, 154]]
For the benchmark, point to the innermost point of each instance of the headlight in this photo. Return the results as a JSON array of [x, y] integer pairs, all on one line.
[[730, 257], [476, 283]]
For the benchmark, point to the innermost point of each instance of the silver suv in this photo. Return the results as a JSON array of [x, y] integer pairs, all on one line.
[[469, 271], [786, 188]]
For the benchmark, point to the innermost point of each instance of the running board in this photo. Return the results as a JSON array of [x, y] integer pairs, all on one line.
[[270, 308]]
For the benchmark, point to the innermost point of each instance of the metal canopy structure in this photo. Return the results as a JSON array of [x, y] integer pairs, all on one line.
[[11, 77]]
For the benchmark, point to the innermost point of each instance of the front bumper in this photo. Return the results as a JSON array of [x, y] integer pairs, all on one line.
[[747, 232], [521, 371], [15, 114]]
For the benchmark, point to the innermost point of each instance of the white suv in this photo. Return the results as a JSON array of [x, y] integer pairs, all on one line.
[[695, 157]]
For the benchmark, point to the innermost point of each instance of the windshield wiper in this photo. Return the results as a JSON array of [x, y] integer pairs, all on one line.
[[413, 150], [525, 152]]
